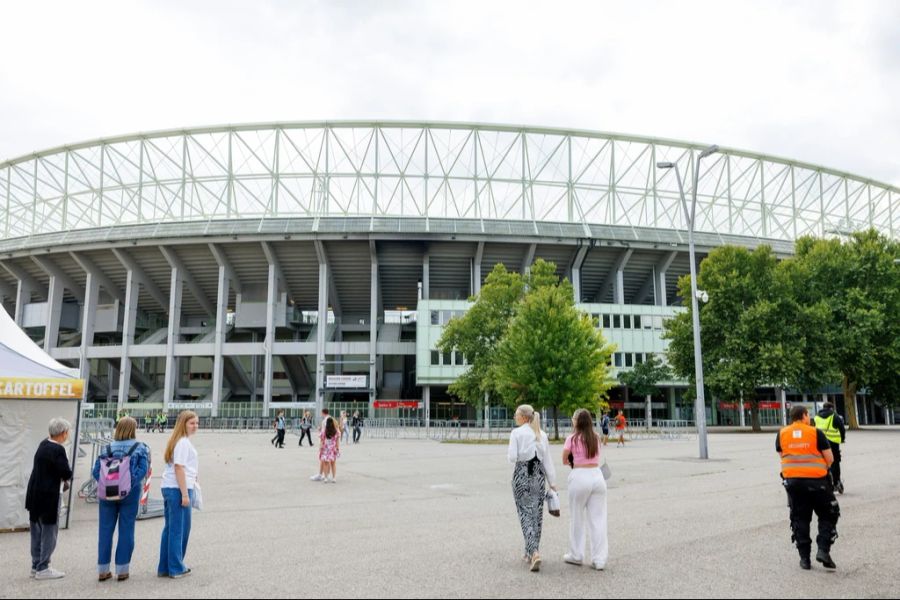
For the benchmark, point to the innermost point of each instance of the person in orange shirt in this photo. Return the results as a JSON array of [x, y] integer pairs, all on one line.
[[805, 459], [620, 429]]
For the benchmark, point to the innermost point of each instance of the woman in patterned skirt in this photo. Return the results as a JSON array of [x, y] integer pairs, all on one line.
[[529, 451]]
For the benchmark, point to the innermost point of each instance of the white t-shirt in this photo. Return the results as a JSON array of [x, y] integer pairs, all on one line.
[[186, 456]]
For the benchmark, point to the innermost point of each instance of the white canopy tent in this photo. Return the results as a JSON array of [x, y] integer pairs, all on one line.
[[34, 388]]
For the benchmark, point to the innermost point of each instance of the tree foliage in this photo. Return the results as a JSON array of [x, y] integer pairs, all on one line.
[[830, 313], [856, 286], [748, 329], [527, 343]]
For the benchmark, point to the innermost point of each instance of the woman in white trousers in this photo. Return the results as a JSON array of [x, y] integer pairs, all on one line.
[[587, 493]]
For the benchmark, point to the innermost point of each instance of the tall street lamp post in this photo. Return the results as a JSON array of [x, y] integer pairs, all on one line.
[[700, 401]]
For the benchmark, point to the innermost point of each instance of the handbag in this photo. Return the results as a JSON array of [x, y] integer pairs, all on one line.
[[197, 499], [553, 502], [607, 472]]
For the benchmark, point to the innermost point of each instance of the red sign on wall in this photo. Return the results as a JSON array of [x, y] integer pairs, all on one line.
[[396, 404]]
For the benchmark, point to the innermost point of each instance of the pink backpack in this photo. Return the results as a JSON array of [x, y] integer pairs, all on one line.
[[115, 475]]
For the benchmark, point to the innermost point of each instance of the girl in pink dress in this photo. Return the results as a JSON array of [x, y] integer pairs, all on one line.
[[329, 449]]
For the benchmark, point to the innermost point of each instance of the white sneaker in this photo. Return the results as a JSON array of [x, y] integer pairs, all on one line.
[[33, 573], [49, 573], [597, 566], [329, 480], [318, 477], [571, 559]]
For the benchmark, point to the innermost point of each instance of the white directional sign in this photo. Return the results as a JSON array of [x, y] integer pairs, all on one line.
[[345, 381]]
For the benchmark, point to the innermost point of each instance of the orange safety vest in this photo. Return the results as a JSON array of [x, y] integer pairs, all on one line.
[[800, 456]]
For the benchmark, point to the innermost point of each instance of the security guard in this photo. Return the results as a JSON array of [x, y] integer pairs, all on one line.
[[832, 426], [805, 458]]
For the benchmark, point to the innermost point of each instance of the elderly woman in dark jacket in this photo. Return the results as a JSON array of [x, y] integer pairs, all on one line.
[[51, 468]]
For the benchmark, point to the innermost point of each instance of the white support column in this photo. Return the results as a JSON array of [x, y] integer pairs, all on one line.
[[426, 276], [269, 345], [487, 410], [741, 409], [54, 311], [662, 268], [321, 329], [426, 399], [88, 320], [580, 255], [221, 331], [23, 297], [176, 296], [782, 398], [132, 290], [476, 269], [374, 311]]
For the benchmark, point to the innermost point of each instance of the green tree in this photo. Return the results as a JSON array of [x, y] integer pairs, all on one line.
[[748, 329], [644, 380], [477, 334], [552, 356], [857, 284]]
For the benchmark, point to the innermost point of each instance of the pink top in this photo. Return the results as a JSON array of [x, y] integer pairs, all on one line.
[[579, 452]]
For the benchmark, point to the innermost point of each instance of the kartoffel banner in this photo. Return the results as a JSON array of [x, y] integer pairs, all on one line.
[[28, 387]]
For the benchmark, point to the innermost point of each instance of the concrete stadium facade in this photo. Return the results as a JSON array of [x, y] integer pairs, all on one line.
[[245, 268]]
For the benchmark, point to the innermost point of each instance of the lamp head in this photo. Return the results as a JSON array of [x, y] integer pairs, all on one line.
[[665, 165]]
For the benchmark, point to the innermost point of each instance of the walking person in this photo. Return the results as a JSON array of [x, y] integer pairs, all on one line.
[[50, 469], [357, 424], [620, 429], [161, 421], [587, 493], [306, 424], [604, 427], [805, 459], [330, 450], [182, 467], [345, 429], [529, 451], [117, 505], [278, 440], [149, 422], [832, 425]]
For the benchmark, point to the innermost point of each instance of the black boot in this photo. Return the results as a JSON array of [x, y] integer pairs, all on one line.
[[824, 557], [805, 564]]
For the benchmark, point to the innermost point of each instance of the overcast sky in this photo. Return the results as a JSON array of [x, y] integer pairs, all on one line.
[[816, 81]]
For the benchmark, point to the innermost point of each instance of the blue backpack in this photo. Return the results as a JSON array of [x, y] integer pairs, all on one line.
[[115, 475]]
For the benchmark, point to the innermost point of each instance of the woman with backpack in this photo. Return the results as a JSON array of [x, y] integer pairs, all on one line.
[[119, 472], [587, 493], [179, 479]]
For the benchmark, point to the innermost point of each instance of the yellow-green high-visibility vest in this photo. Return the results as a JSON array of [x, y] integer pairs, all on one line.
[[827, 426]]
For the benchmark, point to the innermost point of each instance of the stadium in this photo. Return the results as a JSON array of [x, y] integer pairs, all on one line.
[[243, 268]]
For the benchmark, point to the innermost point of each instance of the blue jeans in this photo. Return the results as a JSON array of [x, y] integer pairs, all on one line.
[[175, 534], [123, 512]]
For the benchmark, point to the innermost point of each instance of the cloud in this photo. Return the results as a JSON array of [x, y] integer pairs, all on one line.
[[812, 81]]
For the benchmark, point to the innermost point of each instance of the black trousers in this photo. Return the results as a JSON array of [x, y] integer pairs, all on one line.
[[304, 433], [357, 433], [808, 496], [836, 465], [280, 437]]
